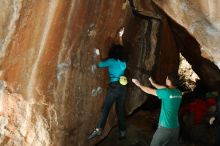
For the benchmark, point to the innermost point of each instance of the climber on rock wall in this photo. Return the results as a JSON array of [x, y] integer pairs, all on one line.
[[116, 63]]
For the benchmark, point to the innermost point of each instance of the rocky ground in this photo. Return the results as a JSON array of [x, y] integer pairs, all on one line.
[[138, 133], [140, 130]]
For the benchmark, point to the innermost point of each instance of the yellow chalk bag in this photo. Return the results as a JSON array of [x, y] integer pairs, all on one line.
[[123, 80]]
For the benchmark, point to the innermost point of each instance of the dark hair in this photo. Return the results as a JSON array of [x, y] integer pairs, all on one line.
[[118, 52], [174, 78]]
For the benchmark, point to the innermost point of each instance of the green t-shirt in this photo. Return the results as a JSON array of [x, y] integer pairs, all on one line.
[[171, 99]]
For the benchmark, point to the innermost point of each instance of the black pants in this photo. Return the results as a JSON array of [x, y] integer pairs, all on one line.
[[116, 93]]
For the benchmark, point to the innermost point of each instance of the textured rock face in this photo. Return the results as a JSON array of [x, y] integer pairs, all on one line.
[[201, 18], [52, 92], [141, 40], [207, 71], [53, 89]]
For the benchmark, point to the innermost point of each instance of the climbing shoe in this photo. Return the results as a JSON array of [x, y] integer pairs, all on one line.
[[122, 135], [95, 133]]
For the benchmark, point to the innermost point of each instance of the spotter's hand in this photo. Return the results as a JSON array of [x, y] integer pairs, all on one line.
[[150, 79], [136, 82]]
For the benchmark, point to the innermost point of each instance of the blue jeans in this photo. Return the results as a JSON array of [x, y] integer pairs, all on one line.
[[116, 93]]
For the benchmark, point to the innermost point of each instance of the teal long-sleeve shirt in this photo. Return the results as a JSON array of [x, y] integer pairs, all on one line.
[[116, 68]]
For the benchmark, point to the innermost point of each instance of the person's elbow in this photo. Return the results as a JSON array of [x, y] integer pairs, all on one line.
[[153, 92]]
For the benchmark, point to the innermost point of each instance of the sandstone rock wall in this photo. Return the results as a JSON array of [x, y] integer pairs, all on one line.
[[201, 18], [141, 40], [48, 70], [52, 91], [189, 47]]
